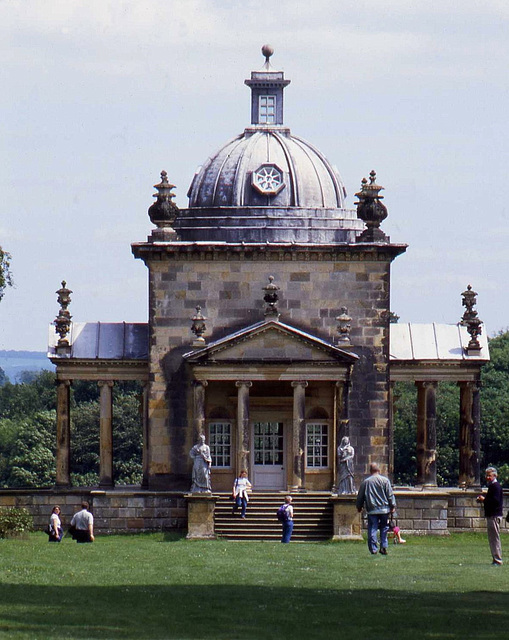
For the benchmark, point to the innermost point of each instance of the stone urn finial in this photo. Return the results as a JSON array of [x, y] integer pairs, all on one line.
[[271, 298], [164, 211], [371, 210], [63, 321], [344, 326], [471, 320], [198, 327]]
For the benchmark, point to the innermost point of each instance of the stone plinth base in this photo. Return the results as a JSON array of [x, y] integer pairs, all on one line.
[[200, 516], [347, 523]]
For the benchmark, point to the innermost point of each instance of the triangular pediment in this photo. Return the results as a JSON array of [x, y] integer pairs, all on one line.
[[271, 341]]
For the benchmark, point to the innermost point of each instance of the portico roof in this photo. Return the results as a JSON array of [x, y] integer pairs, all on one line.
[[435, 352]]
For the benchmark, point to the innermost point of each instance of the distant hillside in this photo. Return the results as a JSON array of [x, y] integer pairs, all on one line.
[[15, 362]]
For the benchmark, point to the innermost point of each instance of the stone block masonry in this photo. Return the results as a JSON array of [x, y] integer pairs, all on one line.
[[114, 511], [439, 512]]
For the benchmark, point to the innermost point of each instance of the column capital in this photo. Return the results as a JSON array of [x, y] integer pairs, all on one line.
[[65, 383], [200, 383], [243, 383], [102, 383], [469, 384], [299, 383], [425, 384]]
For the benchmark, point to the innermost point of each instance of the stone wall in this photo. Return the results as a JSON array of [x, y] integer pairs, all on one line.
[[441, 512], [438, 512], [114, 511]]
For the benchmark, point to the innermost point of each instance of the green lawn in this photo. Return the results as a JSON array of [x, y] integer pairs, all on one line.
[[156, 586]]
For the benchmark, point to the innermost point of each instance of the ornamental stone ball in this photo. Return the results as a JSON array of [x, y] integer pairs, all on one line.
[[267, 50]]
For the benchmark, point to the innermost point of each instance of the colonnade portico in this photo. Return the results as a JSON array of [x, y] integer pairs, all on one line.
[[104, 353], [105, 426], [469, 425], [427, 354], [296, 448]]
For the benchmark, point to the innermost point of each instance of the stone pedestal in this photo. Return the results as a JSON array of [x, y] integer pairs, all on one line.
[[347, 523], [200, 516]]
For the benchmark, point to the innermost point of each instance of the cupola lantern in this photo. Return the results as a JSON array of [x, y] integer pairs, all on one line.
[[267, 88]]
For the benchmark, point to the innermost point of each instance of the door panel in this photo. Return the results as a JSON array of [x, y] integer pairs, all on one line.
[[268, 455]]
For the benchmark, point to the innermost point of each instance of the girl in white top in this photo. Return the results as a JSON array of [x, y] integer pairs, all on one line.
[[55, 525], [241, 486]]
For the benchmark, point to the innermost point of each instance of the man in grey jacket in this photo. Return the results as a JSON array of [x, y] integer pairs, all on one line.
[[376, 494]]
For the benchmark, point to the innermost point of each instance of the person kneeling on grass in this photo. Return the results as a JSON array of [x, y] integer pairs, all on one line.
[[82, 524], [395, 531]]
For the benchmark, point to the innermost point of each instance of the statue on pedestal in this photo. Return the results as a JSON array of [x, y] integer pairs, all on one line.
[[200, 453], [346, 484]]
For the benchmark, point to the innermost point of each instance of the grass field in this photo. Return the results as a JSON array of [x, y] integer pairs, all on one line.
[[157, 586]]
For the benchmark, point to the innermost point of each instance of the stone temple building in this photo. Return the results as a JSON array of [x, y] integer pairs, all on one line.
[[269, 326]]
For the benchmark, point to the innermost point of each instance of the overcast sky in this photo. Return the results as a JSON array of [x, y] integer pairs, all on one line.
[[98, 96]]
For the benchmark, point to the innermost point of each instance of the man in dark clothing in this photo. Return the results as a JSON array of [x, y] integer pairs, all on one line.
[[376, 494], [493, 503]]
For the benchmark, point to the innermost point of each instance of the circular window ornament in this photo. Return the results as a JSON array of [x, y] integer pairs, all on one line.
[[268, 179]]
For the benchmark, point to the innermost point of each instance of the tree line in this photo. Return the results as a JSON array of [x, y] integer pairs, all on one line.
[[28, 428]]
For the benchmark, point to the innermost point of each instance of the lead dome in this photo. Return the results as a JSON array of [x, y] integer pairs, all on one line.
[[267, 185]]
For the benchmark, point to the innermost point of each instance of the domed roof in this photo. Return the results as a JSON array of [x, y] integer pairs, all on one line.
[[266, 184], [267, 167]]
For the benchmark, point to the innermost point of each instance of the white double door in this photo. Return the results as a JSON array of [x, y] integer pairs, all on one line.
[[268, 453]]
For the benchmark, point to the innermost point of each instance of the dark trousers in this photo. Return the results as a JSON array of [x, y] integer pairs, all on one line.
[[81, 535], [242, 503]]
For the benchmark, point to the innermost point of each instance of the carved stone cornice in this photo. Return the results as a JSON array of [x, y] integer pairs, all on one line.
[[268, 252]]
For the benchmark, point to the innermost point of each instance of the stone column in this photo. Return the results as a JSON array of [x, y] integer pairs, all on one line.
[[299, 435], [145, 460], [199, 387], [426, 433], [243, 387], [63, 452], [469, 440], [390, 442], [105, 433]]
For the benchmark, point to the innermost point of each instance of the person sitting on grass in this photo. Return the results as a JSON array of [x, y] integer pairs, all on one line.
[[395, 531]]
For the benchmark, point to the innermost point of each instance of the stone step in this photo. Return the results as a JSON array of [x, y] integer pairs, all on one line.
[[313, 515]]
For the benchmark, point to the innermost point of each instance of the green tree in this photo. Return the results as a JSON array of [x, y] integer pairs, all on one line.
[[495, 406], [32, 460], [5, 272]]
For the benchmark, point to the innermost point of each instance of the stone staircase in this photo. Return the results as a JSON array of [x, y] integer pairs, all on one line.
[[313, 515]]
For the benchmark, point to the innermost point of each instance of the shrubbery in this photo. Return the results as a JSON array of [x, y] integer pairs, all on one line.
[[14, 521]]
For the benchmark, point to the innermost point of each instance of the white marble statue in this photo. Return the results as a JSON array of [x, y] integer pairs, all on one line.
[[200, 453], [346, 484]]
